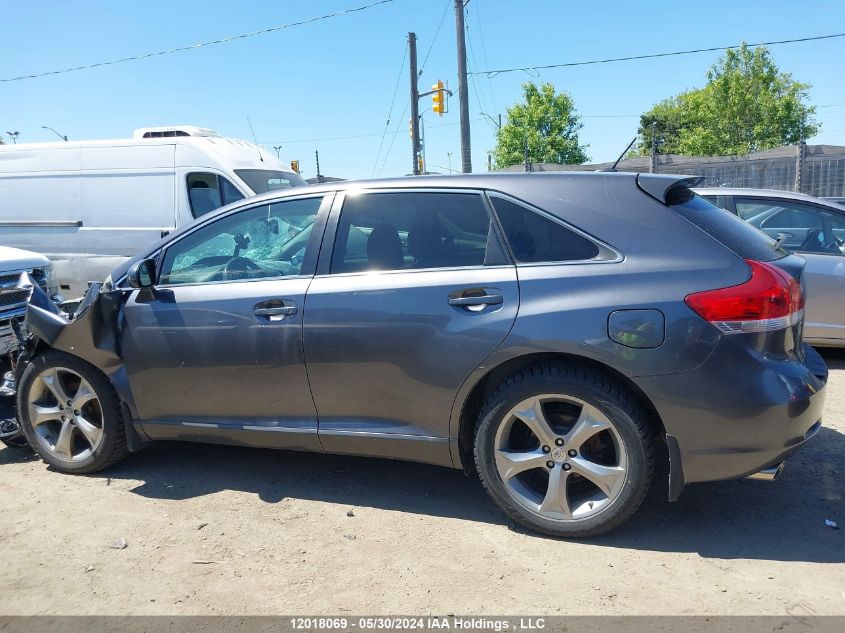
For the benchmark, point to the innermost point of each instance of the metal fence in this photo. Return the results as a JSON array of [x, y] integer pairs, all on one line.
[[818, 170]]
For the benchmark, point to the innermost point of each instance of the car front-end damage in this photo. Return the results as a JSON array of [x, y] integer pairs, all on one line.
[[89, 333]]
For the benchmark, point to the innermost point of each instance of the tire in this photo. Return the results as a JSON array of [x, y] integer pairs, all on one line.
[[84, 432], [564, 450]]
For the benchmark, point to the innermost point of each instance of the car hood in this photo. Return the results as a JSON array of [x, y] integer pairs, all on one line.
[[14, 259]]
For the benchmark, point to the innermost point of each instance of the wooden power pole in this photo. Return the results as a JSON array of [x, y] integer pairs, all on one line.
[[463, 95]]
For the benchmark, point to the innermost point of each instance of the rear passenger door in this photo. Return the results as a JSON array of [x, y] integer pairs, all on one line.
[[413, 291]]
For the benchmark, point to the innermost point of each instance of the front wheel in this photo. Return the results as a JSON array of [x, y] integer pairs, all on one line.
[[564, 450], [70, 413]]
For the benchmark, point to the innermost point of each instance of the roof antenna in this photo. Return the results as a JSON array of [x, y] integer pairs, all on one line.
[[260, 157], [621, 156]]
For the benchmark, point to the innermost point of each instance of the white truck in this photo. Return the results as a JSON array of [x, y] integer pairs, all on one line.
[[89, 205], [13, 263]]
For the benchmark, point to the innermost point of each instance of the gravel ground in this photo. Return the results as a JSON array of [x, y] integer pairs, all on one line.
[[222, 530]]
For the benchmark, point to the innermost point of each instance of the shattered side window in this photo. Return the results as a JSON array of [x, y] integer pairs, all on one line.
[[257, 243]]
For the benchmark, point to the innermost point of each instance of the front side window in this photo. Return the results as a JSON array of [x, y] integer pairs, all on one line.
[[534, 238], [801, 227], [256, 243], [406, 231], [207, 192]]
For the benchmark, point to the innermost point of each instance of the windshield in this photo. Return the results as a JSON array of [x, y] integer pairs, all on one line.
[[264, 180]]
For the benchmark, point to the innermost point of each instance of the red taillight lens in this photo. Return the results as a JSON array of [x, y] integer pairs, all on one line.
[[770, 300]]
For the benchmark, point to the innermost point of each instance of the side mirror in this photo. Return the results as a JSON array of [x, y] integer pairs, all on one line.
[[142, 274]]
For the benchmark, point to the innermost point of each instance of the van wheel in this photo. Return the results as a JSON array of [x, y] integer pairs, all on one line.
[[70, 414], [564, 450]]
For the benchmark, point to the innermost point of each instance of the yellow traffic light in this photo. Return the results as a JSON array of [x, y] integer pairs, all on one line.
[[294, 165], [438, 99]]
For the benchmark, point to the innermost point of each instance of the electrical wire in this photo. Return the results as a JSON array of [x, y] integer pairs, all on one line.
[[223, 40], [493, 73], [436, 33], [390, 111]]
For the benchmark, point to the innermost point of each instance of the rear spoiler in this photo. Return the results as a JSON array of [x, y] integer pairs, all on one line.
[[658, 186]]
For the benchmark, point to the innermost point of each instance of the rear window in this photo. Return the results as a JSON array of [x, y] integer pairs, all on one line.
[[739, 236], [534, 238]]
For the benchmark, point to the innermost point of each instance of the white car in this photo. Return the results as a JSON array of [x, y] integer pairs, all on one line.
[[811, 227], [13, 263]]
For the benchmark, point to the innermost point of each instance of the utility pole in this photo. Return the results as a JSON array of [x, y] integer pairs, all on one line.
[[800, 159], [525, 154], [463, 95], [317, 157], [415, 103], [652, 163]]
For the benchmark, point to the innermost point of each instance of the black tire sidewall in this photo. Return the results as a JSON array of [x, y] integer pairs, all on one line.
[[582, 386], [112, 417]]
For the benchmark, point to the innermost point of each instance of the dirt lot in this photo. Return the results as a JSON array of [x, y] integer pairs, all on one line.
[[238, 531]]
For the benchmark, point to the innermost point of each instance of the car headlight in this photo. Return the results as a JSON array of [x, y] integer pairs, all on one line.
[[51, 282]]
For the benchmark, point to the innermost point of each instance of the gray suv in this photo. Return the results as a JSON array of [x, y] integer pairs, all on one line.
[[562, 335]]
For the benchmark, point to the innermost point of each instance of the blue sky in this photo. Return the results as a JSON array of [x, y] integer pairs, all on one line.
[[308, 86]]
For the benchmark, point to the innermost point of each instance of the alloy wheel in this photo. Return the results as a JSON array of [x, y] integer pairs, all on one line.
[[560, 457], [65, 414]]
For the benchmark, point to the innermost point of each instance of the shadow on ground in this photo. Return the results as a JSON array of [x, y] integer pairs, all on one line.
[[782, 520]]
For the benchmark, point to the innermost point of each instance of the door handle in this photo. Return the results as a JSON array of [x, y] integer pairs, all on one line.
[[280, 311], [274, 310], [481, 300], [475, 299]]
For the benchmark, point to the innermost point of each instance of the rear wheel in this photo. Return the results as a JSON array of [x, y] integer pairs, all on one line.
[[70, 413], [564, 450]]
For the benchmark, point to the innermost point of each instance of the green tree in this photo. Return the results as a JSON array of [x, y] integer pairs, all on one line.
[[547, 122], [747, 105]]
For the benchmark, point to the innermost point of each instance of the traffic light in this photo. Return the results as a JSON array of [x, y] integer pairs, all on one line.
[[294, 165], [438, 99]]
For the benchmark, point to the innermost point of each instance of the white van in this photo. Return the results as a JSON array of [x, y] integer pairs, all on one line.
[[89, 205]]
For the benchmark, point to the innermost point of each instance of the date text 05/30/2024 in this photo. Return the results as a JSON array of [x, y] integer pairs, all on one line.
[[400, 623]]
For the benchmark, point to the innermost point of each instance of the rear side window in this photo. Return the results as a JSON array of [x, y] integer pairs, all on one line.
[[535, 238], [739, 236], [407, 231]]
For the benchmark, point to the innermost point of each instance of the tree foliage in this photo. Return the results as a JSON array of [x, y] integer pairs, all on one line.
[[547, 121], [747, 105]]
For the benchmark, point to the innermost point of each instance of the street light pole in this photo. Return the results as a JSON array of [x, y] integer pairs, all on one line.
[[61, 136], [278, 148]]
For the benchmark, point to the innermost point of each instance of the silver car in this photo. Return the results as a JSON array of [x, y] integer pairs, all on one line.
[[815, 229]]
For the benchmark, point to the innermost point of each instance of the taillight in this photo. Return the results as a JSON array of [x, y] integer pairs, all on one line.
[[770, 300]]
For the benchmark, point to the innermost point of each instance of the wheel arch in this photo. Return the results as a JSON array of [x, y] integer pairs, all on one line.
[[487, 383]]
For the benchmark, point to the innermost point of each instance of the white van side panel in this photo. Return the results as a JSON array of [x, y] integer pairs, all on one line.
[[41, 200], [128, 201]]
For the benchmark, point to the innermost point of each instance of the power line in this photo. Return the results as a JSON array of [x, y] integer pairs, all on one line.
[[180, 49], [395, 133], [390, 111], [493, 73], [484, 51], [436, 33]]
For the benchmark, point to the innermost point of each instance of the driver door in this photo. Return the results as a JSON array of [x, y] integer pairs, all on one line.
[[214, 350]]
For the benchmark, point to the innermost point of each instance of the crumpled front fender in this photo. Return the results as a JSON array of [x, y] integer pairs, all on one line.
[[92, 333]]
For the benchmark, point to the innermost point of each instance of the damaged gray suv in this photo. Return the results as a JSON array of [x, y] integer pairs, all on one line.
[[564, 336]]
